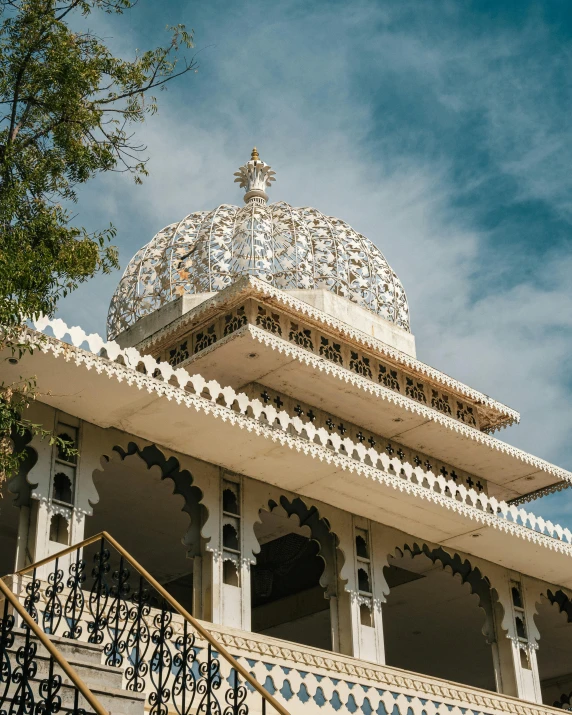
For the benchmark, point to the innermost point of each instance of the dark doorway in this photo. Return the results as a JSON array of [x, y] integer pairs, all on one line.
[[288, 600], [554, 655], [433, 624]]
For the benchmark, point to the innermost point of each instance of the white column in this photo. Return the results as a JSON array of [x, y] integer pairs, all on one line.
[[366, 594], [515, 653], [233, 572]]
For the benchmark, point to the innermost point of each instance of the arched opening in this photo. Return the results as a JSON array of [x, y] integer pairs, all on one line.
[[148, 504], [63, 488], [433, 619], [554, 655], [9, 522], [295, 575], [15, 499], [59, 530]]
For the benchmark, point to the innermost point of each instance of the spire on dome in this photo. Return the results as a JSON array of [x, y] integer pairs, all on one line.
[[255, 176]]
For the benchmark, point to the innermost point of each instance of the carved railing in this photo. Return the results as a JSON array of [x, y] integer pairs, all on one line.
[[185, 666], [96, 592], [194, 390], [30, 682], [312, 681]]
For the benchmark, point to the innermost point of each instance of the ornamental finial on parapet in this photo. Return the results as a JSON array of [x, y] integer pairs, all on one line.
[[255, 176]]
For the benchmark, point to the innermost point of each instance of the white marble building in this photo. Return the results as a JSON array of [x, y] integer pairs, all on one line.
[[259, 435]]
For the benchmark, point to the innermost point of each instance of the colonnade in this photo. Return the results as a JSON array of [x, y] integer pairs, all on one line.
[[226, 527]]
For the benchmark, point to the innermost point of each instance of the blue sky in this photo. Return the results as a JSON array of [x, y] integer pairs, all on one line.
[[440, 130]]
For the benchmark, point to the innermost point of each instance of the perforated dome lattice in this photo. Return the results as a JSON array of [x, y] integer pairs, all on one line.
[[290, 248]]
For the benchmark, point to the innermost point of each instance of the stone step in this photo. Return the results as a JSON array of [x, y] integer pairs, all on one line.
[[114, 700], [93, 675], [70, 649], [104, 681]]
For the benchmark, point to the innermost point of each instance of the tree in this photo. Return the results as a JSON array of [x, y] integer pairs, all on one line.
[[68, 107]]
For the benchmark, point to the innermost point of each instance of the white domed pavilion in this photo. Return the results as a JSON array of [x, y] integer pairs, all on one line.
[[274, 507], [288, 247]]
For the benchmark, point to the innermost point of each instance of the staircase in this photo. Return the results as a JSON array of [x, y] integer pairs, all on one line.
[[104, 681], [89, 630]]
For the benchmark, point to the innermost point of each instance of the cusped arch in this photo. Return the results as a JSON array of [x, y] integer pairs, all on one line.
[[183, 486], [321, 532], [562, 600], [555, 597], [456, 565], [558, 691]]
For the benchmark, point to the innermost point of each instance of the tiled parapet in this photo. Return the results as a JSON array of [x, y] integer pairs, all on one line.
[[318, 682]]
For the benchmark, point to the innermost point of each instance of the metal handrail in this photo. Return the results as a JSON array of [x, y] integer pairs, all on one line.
[[171, 601], [52, 650]]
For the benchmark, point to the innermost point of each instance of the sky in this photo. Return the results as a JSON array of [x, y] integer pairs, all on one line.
[[440, 130]]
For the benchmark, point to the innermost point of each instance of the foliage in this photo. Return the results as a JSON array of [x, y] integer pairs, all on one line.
[[68, 107]]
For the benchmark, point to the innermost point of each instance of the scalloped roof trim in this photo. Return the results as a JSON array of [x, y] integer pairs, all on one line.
[[260, 287], [278, 426], [385, 393]]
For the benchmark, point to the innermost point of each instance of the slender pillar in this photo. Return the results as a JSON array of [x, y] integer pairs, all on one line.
[[366, 615], [516, 667], [231, 571]]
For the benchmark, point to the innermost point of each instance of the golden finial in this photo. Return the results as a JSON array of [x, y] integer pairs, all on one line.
[[255, 176]]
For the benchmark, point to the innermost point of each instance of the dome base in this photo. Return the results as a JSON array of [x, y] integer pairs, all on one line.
[[333, 305], [358, 317]]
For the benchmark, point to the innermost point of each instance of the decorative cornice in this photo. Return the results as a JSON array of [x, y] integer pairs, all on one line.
[[254, 287], [551, 489], [388, 395], [250, 414]]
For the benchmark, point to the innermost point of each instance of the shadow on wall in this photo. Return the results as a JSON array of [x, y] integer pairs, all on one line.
[[149, 506], [15, 496], [288, 600], [433, 624]]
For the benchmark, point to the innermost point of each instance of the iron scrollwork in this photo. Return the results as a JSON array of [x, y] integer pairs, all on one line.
[[32, 596], [99, 595], [113, 605], [49, 690], [208, 684], [52, 615], [117, 618], [22, 690], [185, 683], [161, 661], [75, 601], [137, 640], [235, 698]]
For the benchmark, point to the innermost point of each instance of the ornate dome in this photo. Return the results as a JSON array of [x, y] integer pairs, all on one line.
[[290, 248]]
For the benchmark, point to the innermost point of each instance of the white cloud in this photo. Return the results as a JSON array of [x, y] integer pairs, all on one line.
[[297, 103]]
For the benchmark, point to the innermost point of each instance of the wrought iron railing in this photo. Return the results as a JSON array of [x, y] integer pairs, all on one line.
[[163, 650], [23, 690]]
